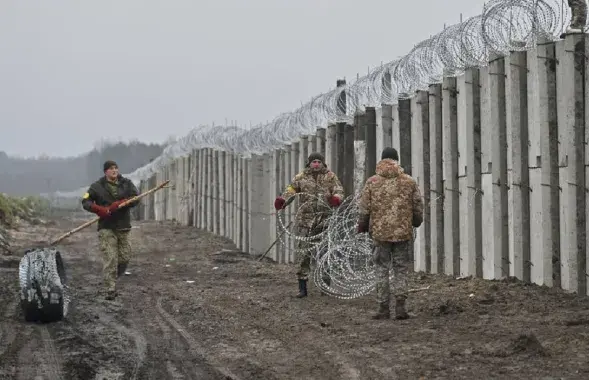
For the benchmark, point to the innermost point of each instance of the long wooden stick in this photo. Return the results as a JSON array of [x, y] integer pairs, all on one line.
[[91, 222]]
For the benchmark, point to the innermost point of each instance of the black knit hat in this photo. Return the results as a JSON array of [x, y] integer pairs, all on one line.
[[109, 164], [390, 153], [315, 156]]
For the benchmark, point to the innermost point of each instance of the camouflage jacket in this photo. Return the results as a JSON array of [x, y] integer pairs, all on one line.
[[391, 203], [316, 188]]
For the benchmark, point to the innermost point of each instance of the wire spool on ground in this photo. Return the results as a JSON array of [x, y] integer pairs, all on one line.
[[43, 291]]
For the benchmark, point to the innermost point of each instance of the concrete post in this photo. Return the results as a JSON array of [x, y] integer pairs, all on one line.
[[499, 168], [280, 185], [246, 201], [543, 157], [217, 192], [340, 151], [229, 182], [348, 161], [321, 142], [239, 209], [261, 234], [202, 188], [331, 148], [472, 261], [395, 131], [167, 194], [221, 193], [158, 197], [180, 182], [196, 179], [405, 135], [378, 143], [209, 190], [571, 56], [296, 158], [304, 147], [421, 173], [436, 195], [170, 198], [243, 204], [451, 186], [287, 177], [516, 93], [387, 126], [370, 121], [311, 144], [359, 153], [270, 185]]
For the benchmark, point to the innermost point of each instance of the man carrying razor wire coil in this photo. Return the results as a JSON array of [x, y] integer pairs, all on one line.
[[320, 190]]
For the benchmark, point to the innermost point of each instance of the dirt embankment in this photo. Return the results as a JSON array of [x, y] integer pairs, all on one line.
[[188, 311]]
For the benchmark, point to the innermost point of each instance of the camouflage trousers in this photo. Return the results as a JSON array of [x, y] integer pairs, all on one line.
[[579, 13], [116, 249], [398, 257], [305, 251]]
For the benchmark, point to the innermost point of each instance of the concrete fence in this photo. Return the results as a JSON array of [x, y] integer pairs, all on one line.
[[498, 152]]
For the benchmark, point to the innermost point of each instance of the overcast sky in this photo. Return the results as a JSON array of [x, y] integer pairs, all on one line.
[[73, 72]]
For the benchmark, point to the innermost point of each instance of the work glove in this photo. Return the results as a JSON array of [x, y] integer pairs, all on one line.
[[334, 201], [101, 211], [115, 205], [279, 203], [362, 227]]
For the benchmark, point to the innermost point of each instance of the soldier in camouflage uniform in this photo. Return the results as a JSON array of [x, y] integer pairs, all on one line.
[[104, 198], [317, 185], [390, 206], [579, 16]]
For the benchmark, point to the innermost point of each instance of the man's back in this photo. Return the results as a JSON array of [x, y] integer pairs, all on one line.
[[393, 201]]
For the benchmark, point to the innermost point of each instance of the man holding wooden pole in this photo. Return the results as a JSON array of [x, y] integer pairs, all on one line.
[[103, 198]]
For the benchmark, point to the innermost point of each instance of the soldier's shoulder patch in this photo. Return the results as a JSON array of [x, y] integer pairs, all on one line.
[[86, 196]]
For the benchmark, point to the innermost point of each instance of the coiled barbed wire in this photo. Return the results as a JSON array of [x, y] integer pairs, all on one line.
[[503, 26]]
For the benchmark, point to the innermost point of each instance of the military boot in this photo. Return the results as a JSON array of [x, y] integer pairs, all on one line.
[[400, 312], [111, 295], [121, 269], [302, 289], [383, 312]]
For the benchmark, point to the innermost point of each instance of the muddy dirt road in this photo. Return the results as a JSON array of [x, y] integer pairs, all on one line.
[[239, 320]]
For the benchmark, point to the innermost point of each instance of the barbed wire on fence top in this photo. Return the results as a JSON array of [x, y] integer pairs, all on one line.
[[502, 27]]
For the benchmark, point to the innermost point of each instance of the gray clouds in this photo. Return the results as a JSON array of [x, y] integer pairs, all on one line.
[[72, 72]]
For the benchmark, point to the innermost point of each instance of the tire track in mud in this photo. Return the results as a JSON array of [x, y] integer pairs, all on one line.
[[176, 365], [134, 336], [7, 331], [52, 364], [31, 354], [197, 349], [344, 365]]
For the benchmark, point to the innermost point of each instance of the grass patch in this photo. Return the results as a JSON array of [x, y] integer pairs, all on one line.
[[15, 209]]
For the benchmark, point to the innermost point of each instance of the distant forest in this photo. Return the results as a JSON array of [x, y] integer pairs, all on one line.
[[33, 176]]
